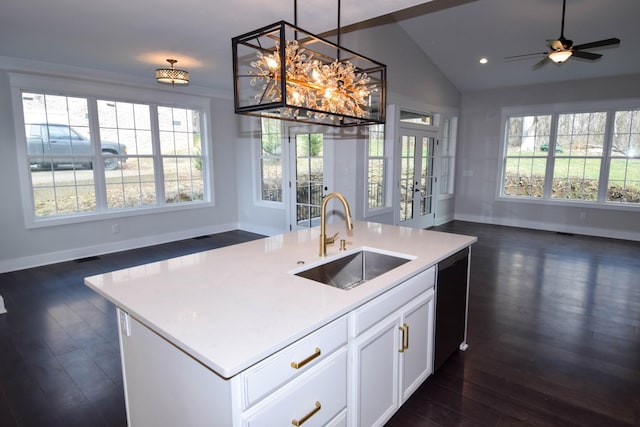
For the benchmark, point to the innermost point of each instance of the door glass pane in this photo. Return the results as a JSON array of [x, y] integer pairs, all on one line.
[[407, 172], [309, 179], [426, 176]]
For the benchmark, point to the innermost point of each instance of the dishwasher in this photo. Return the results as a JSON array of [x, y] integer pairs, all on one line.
[[451, 306]]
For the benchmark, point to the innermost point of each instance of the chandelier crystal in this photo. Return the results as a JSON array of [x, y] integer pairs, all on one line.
[[314, 86]]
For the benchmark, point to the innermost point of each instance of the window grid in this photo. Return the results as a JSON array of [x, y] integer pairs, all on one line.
[[376, 169], [624, 170], [133, 184], [180, 150], [578, 156], [583, 160], [525, 162], [65, 176], [447, 158], [270, 160]]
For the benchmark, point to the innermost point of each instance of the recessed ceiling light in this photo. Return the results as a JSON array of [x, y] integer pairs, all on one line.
[[483, 60]]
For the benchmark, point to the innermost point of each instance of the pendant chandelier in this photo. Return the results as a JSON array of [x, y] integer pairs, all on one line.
[[320, 82]]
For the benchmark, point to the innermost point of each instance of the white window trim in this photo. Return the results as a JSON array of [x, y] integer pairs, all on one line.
[[388, 178], [554, 109], [255, 166], [20, 82]]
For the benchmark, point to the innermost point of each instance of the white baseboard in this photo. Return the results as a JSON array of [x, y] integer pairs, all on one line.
[[559, 228], [122, 245]]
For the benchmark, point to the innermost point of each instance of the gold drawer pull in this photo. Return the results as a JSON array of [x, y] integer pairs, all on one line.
[[401, 349], [306, 417], [298, 365]]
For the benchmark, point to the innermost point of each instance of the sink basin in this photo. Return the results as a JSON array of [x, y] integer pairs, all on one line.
[[353, 269]]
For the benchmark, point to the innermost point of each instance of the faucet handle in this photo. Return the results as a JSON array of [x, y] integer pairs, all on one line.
[[332, 239]]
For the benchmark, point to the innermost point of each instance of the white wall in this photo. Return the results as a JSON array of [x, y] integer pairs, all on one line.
[[478, 160], [21, 247], [413, 81]]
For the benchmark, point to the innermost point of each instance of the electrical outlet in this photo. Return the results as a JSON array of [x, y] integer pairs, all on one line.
[[125, 327], [115, 228], [583, 215]]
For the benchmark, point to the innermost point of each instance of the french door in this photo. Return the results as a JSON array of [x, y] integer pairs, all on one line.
[[309, 178], [415, 205]]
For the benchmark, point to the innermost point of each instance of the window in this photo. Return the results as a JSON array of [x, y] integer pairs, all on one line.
[[376, 167], [526, 158], [416, 118], [578, 156], [270, 160], [585, 156], [137, 155], [624, 171], [447, 156]]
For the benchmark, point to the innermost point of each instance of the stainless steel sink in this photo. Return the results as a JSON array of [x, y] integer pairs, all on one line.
[[354, 269]]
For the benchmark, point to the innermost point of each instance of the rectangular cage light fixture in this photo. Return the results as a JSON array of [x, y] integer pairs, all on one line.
[[321, 82]]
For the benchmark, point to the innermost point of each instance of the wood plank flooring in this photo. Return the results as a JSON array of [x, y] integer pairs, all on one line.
[[554, 335]]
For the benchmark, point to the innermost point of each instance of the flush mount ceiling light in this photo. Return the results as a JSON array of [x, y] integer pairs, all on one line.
[[320, 83], [172, 75]]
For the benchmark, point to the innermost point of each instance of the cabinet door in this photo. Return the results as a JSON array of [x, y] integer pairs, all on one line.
[[416, 361], [375, 374]]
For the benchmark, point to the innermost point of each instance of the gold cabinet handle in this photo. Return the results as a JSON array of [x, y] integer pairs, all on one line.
[[406, 346], [298, 365], [401, 350], [306, 417]]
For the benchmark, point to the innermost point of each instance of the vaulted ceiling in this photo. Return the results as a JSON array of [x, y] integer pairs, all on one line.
[[135, 37]]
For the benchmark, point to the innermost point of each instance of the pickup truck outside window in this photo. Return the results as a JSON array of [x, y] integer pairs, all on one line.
[[51, 145]]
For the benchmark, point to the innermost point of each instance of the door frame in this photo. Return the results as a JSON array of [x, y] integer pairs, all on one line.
[[419, 131]]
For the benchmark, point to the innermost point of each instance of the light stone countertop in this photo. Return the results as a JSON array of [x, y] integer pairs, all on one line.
[[234, 306]]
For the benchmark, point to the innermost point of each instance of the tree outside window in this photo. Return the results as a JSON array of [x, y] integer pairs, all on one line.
[[581, 161], [271, 160]]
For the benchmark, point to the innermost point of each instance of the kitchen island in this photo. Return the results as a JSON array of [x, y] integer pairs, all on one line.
[[213, 338]]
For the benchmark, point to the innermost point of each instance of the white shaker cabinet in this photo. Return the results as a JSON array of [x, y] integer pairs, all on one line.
[[391, 356], [304, 383]]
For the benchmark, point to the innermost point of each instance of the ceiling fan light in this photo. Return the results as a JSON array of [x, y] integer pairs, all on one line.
[[559, 56]]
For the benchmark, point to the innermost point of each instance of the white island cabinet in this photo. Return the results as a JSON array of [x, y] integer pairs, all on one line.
[[394, 354], [231, 338]]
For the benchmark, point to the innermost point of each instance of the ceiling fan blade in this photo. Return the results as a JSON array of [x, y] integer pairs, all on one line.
[[586, 55], [599, 43], [540, 64], [526, 55]]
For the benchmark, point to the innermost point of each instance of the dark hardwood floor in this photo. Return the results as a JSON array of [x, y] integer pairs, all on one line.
[[554, 335]]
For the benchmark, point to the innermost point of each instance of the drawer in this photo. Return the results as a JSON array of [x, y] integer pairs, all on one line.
[[263, 378], [391, 301], [314, 399]]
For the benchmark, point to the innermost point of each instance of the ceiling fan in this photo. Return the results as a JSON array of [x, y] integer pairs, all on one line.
[[562, 49]]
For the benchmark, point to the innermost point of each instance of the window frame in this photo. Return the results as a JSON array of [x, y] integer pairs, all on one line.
[[259, 179], [555, 110], [379, 129], [92, 91], [387, 206]]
